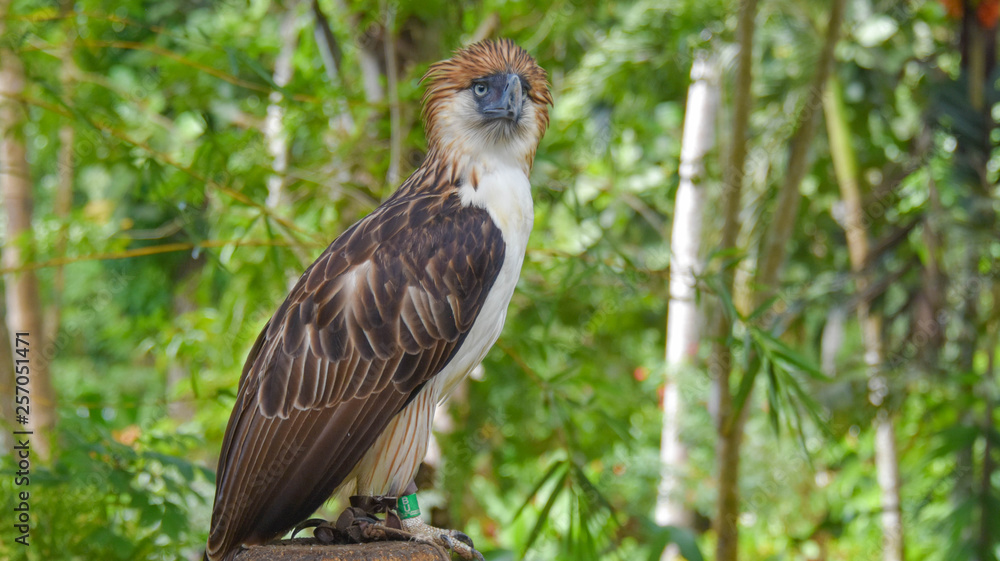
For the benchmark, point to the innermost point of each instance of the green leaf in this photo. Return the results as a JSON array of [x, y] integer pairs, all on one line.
[[681, 537], [954, 438], [785, 356], [686, 543], [538, 486], [773, 396], [543, 516], [582, 480], [743, 392]]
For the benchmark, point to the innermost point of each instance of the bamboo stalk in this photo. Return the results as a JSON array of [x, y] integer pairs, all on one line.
[[886, 457], [771, 258], [24, 305], [392, 82], [727, 505], [683, 321]]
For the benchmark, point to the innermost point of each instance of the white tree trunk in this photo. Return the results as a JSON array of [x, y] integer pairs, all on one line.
[[392, 176], [7, 413], [887, 468], [24, 308], [274, 124], [683, 321]]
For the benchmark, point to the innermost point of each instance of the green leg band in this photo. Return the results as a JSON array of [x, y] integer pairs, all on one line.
[[408, 507]]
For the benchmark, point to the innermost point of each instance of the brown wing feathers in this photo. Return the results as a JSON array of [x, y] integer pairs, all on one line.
[[377, 315]]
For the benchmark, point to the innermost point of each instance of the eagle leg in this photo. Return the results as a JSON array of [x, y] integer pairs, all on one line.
[[452, 540], [362, 526], [360, 522]]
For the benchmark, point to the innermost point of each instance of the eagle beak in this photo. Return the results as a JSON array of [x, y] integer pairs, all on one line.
[[508, 106]]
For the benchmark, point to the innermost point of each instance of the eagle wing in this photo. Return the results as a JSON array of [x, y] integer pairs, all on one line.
[[378, 314]]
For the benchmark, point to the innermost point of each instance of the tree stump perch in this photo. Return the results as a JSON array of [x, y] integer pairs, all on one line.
[[310, 549]]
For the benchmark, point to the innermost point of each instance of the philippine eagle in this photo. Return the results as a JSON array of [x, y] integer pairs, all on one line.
[[338, 393]]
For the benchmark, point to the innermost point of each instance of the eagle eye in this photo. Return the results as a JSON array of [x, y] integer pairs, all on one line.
[[480, 89]]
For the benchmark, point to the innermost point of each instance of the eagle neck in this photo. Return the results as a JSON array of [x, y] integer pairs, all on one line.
[[468, 167]]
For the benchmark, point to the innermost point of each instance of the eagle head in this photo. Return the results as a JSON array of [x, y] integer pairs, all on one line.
[[489, 97]]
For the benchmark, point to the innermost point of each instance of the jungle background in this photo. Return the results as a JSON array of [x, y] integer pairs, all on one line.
[[828, 255]]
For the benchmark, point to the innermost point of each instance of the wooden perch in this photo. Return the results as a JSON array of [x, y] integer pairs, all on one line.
[[310, 549]]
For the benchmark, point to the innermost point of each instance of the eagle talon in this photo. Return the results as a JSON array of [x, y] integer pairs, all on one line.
[[311, 523], [464, 538], [327, 534], [361, 525], [323, 530], [452, 540]]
